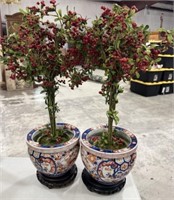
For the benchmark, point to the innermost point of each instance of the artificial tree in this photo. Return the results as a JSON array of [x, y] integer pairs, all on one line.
[[35, 53], [121, 49]]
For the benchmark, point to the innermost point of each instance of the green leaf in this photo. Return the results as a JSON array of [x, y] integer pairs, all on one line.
[[115, 97], [60, 12], [170, 38], [121, 90], [23, 11], [105, 141], [109, 113], [111, 48], [146, 27], [116, 118], [117, 44], [43, 91], [137, 75], [131, 61], [158, 60]]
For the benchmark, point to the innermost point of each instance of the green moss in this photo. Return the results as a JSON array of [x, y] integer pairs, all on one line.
[[100, 140], [44, 137]]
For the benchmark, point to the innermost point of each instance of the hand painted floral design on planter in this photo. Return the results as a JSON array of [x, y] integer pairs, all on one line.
[[107, 166], [55, 160]]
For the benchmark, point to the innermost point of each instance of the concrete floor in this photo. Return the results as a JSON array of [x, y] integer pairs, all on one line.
[[150, 118]]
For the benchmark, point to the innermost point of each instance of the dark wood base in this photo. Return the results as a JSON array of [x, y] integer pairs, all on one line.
[[60, 181], [94, 186]]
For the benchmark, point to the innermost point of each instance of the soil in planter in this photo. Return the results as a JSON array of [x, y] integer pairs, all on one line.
[[44, 137], [100, 140]]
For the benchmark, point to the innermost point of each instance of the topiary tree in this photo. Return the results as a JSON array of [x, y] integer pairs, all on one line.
[[34, 53], [121, 50]]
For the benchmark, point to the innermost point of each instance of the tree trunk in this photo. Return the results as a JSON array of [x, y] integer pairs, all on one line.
[[52, 111], [112, 107]]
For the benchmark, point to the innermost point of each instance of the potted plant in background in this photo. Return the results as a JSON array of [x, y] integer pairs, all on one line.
[[109, 152], [34, 53]]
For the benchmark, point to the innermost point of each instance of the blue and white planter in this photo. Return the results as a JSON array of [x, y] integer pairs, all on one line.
[[54, 160], [108, 167]]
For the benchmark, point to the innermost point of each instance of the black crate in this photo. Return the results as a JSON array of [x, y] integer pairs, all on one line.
[[166, 88], [170, 51], [145, 89], [167, 62], [168, 76], [150, 76]]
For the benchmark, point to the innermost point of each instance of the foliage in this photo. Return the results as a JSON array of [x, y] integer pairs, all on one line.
[[122, 51], [35, 53], [114, 43]]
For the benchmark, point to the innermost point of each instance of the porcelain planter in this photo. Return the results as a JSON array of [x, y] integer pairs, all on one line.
[[55, 161], [108, 167]]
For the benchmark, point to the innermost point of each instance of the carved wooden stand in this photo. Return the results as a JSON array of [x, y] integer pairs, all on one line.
[[94, 186], [60, 181]]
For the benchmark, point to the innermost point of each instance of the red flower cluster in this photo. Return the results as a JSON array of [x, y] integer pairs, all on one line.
[[114, 43], [120, 45], [39, 44]]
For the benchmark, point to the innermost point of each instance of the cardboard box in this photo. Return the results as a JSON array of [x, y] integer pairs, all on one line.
[[154, 36]]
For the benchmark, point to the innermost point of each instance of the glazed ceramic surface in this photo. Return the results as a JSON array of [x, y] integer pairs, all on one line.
[[108, 166], [55, 160]]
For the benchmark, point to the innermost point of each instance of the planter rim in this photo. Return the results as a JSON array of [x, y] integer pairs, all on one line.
[[131, 147], [36, 145]]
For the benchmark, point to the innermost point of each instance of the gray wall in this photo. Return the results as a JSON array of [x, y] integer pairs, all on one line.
[[90, 9], [152, 18], [86, 8]]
